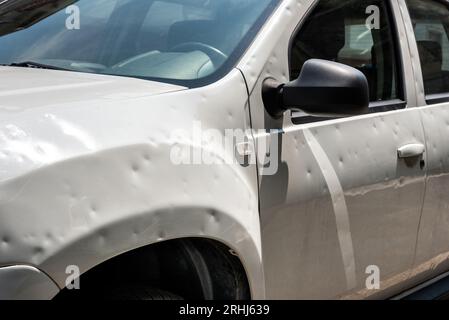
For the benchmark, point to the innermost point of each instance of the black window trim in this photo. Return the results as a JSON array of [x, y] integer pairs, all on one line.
[[374, 107], [437, 98]]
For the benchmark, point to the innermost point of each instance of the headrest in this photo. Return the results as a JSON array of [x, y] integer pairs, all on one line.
[[328, 36], [430, 52]]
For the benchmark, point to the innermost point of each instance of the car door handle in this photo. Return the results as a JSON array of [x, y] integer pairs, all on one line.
[[411, 151]]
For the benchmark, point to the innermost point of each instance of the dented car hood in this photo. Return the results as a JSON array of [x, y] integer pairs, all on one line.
[[32, 133], [23, 88]]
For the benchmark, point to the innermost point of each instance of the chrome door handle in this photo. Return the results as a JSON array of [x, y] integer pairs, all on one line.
[[411, 151]]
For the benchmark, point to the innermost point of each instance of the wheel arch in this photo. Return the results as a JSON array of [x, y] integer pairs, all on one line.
[[125, 237], [189, 268]]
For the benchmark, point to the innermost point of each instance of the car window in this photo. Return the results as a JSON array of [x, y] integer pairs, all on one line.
[[347, 32], [431, 25], [187, 42]]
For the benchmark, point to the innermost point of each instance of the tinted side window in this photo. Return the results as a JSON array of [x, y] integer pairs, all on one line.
[[338, 31], [431, 24]]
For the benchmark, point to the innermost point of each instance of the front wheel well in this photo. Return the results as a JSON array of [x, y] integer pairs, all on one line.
[[192, 268]]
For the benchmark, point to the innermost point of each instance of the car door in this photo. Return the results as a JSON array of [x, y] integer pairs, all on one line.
[[341, 210], [428, 24]]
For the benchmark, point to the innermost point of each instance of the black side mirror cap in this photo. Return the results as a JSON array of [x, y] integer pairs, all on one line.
[[324, 88]]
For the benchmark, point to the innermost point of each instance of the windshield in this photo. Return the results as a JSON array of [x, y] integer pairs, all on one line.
[[175, 41]]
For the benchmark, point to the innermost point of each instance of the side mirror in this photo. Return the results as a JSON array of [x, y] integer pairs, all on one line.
[[324, 89]]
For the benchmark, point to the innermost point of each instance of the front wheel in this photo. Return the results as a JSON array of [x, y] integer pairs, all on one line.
[[139, 293]]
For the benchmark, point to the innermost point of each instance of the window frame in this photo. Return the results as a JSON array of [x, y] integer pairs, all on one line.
[[374, 107]]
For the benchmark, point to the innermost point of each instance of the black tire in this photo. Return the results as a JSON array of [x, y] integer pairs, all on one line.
[[140, 293]]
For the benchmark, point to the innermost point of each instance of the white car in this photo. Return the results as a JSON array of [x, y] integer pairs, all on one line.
[[223, 149]]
